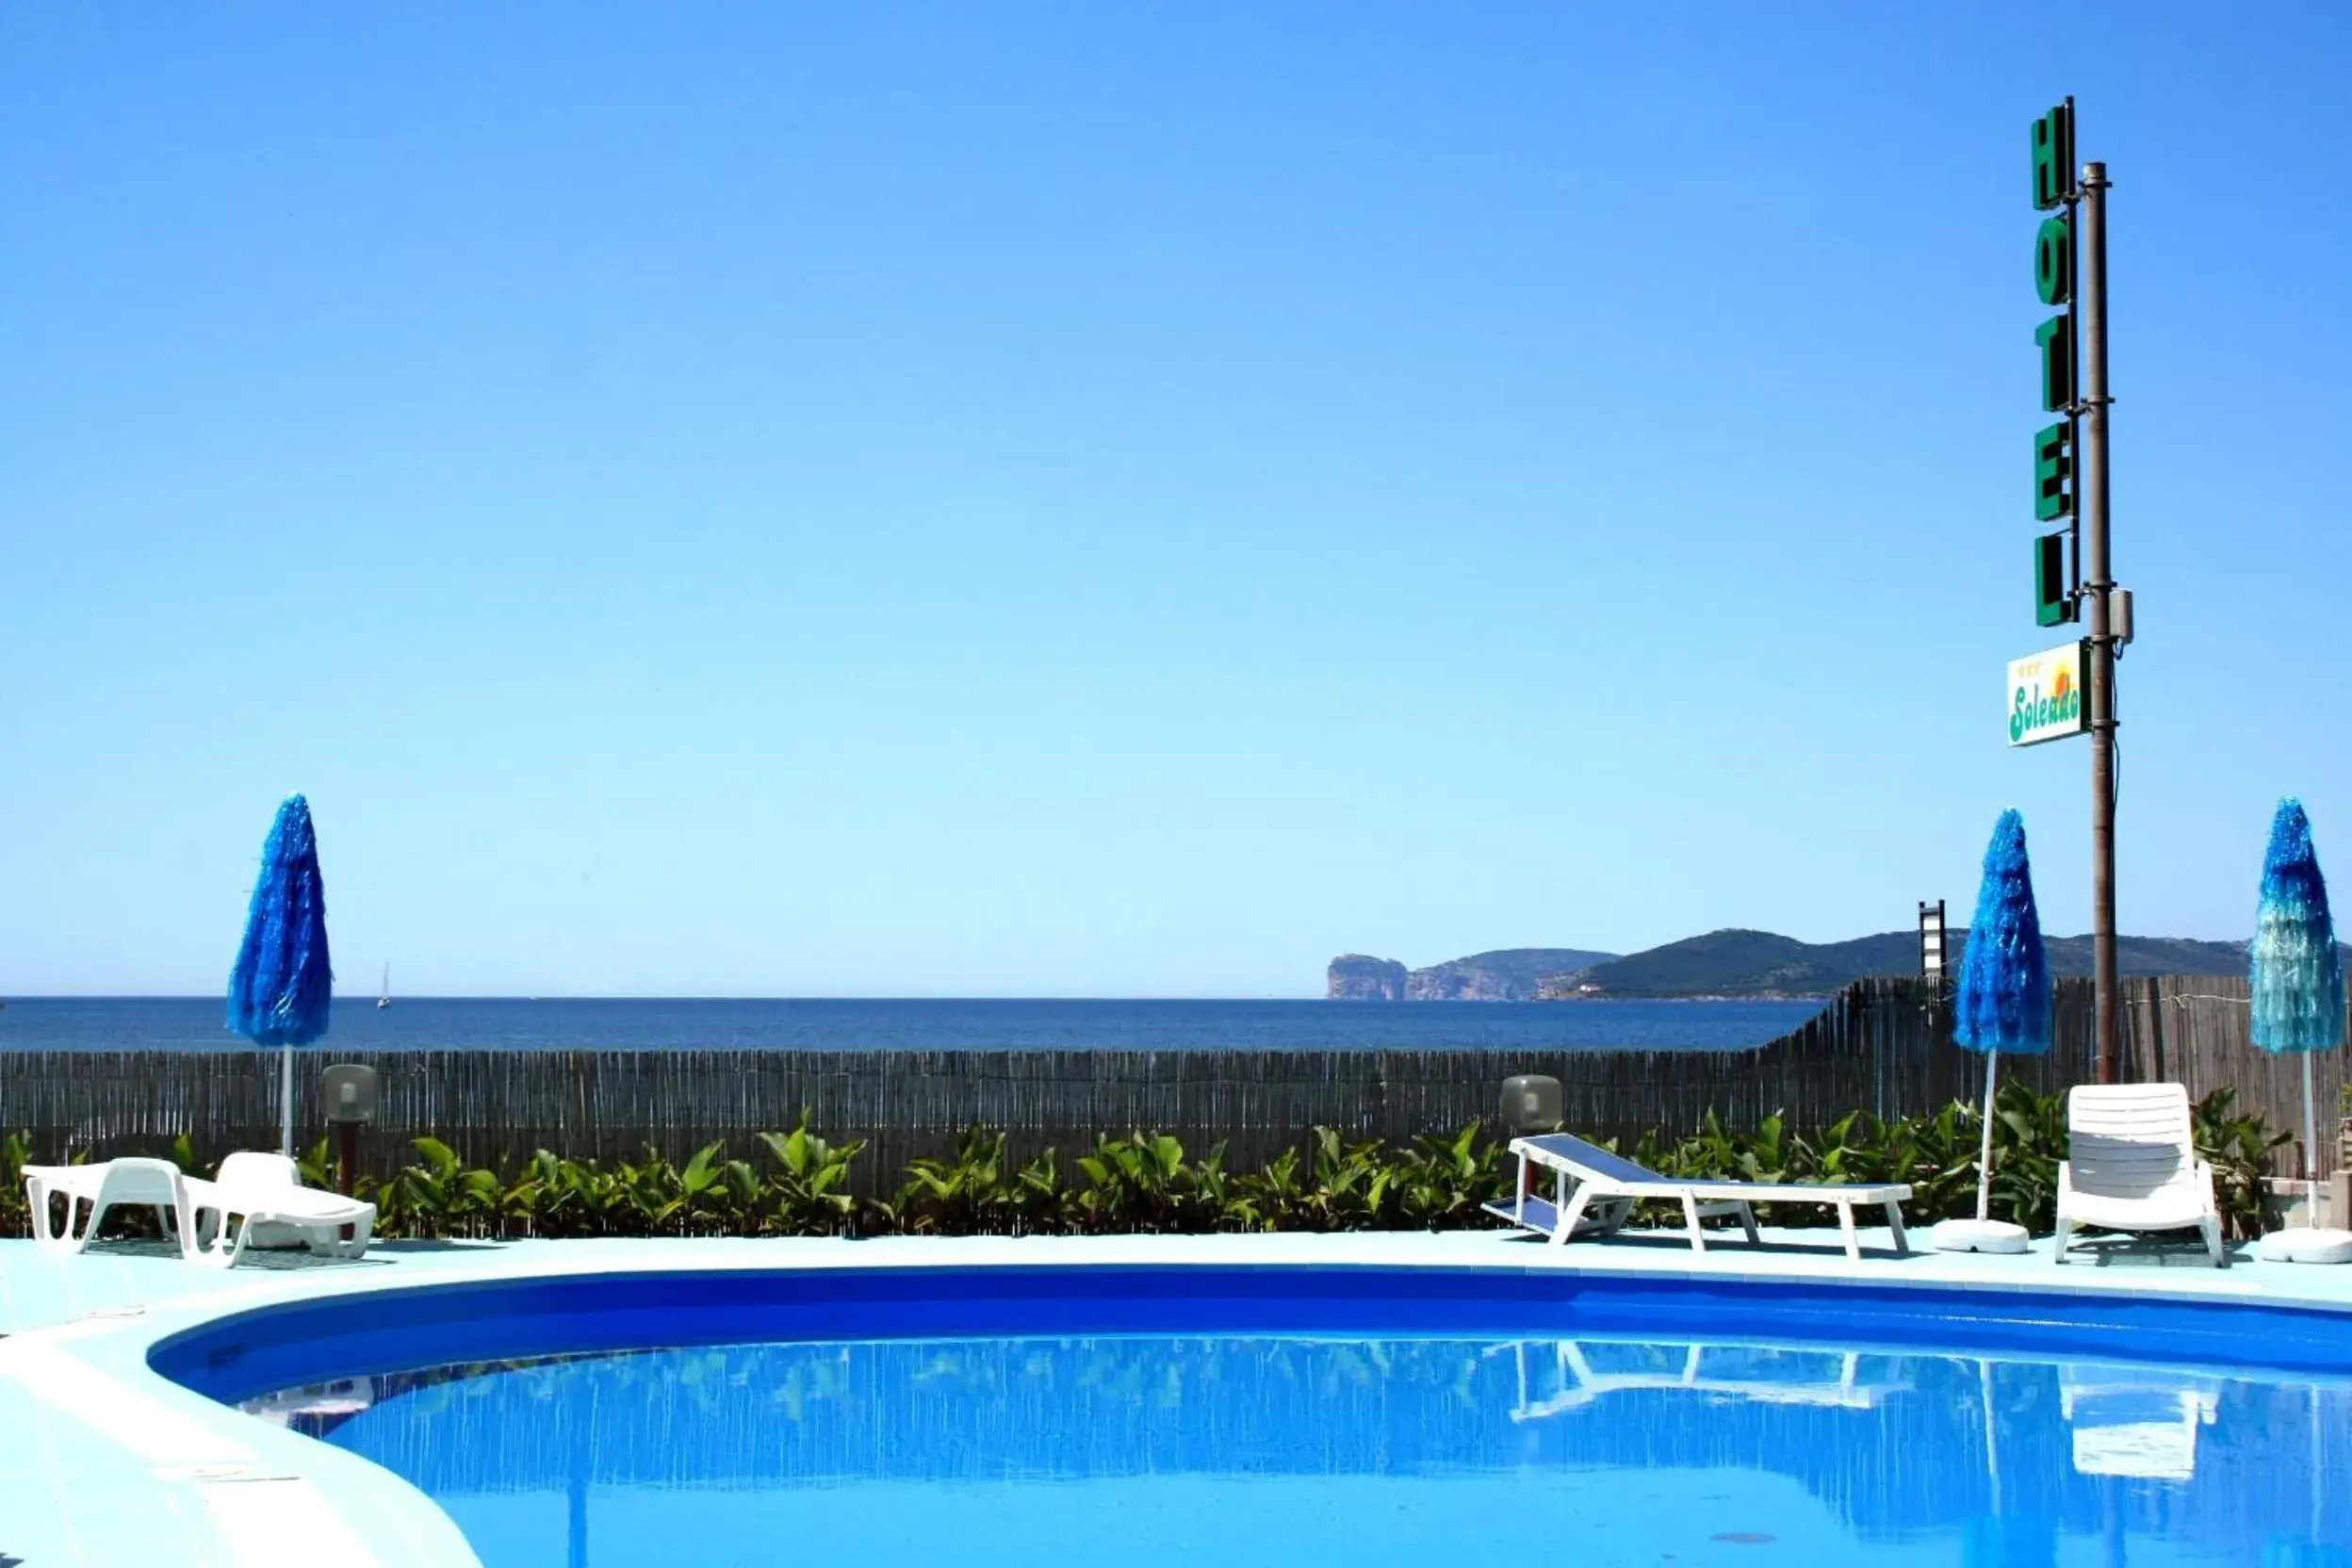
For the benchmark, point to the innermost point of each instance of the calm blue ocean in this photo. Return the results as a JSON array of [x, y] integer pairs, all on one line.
[[193, 1023]]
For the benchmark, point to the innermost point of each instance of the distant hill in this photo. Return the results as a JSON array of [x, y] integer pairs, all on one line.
[[1730, 963], [1742, 963], [2147, 955], [1748, 963]]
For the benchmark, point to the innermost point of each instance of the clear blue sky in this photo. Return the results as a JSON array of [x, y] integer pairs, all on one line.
[[1084, 499]]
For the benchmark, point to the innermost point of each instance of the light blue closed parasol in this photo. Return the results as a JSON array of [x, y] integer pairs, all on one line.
[[2002, 1005], [2297, 1001], [282, 985]]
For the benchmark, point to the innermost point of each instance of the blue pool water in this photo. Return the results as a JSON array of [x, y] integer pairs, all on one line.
[[1230, 1416], [1289, 1451]]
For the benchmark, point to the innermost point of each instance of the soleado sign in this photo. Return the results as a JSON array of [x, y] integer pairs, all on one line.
[[2045, 696]]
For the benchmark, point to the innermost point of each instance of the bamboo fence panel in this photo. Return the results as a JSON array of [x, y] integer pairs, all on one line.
[[1881, 1045]]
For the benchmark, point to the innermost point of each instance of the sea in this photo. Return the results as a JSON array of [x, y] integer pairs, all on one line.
[[575, 1024]]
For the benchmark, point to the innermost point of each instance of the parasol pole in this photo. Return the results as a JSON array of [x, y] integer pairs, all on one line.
[[1985, 1158], [2311, 1150]]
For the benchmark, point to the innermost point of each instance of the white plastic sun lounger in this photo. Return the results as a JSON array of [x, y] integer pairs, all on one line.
[[108, 1184], [266, 1194], [264, 1191], [1593, 1192], [2131, 1165]]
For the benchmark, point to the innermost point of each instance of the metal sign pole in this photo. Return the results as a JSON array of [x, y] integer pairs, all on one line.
[[2097, 587]]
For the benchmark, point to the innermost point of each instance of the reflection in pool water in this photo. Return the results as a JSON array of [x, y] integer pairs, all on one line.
[[1302, 1452]]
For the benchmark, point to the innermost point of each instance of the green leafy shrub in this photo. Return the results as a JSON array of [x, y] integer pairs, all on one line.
[[1440, 1183], [1146, 1182], [810, 1195], [16, 1153], [2239, 1149], [438, 1195], [1143, 1184], [967, 1195]]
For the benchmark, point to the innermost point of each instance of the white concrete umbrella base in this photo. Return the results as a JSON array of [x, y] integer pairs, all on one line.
[[1978, 1235], [2306, 1244]]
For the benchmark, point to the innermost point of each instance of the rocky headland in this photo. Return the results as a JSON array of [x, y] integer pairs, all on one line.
[[1506, 974], [1754, 965], [1353, 977]]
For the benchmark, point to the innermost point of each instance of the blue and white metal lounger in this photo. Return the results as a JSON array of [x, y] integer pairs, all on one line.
[[1593, 1192]]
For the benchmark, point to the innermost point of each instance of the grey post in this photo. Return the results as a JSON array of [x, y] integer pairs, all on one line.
[[2098, 582]]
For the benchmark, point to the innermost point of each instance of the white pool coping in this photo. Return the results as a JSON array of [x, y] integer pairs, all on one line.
[[104, 1461]]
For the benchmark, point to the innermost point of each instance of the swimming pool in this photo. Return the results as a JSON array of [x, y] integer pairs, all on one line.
[[1301, 1415]]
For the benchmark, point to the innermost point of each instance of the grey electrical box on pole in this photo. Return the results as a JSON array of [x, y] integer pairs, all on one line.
[[1532, 1103], [347, 1092]]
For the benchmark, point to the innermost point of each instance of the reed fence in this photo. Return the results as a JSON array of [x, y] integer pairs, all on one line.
[[1880, 1045]]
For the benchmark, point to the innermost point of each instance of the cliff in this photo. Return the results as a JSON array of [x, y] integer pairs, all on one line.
[[1729, 963], [1507, 975], [1353, 977]]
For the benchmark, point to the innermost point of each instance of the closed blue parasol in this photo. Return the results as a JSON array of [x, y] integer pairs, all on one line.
[[2297, 999], [282, 988], [2003, 1004]]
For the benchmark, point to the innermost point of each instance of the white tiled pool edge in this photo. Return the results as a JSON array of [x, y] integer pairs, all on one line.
[[146, 1472]]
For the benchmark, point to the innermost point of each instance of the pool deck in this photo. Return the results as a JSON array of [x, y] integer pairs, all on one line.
[[103, 1463]]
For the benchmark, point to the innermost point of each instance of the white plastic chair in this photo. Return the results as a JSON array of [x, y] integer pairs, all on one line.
[[108, 1184], [2131, 1165]]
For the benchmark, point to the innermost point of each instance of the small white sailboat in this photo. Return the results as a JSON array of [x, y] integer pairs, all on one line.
[[384, 997]]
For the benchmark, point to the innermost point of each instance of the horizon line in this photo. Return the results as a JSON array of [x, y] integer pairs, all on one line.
[[584, 996]]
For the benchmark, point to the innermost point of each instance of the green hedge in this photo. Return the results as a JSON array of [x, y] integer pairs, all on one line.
[[798, 1182]]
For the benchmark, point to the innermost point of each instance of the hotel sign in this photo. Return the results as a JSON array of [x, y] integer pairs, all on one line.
[[2045, 696], [2056, 342]]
